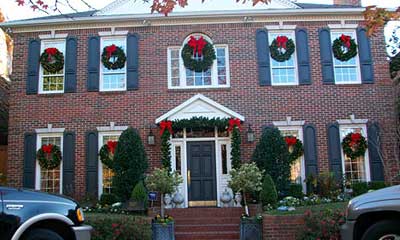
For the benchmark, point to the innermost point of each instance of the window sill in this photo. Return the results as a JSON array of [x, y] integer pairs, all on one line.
[[208, 89], [50, 95], [116, 92]]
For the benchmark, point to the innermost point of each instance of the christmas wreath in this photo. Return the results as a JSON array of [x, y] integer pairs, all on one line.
[[344, 48], [198, 54], [49, 156], [113, 57], [282, 48], [354, 145], [107, 153], [52, 60], [295, 147]]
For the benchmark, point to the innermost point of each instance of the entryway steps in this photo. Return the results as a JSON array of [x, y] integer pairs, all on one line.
[[206, 223]]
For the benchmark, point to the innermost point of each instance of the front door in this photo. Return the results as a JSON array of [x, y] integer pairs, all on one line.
[[202, 187]]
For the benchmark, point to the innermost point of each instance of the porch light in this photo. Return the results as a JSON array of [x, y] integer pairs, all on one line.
[[250, 135], [151, 138]]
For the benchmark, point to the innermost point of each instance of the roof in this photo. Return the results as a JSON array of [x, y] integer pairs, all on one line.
[[319, 6]]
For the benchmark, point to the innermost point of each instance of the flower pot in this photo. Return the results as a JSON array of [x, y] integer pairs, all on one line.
[[250, 229], [162, 231]]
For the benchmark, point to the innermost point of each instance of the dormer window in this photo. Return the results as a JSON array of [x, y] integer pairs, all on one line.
[[214, 76]]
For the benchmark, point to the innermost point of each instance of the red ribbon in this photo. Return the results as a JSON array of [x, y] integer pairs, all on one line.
[[355, 139], [232, 123], [47, 148], [110, 50], [290, 140], [51, 51], [197, 45], [166, 125], [281, 41], [345, 40], [112, 145]]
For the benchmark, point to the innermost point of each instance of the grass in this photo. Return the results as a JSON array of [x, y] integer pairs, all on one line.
[[316, 208]]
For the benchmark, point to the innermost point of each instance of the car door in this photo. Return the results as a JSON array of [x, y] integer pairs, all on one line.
[[8, 222]]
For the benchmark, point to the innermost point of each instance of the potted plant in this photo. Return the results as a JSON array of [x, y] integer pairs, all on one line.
[[163, 182], [138, 200], [248, 179]]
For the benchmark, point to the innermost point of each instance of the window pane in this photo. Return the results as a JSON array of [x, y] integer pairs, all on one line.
[[295, 169], [224, 159], [178, 159], [345, 72], [221, 65], [53, 81], [174, 65], [108, 173], [50, 179], [114, 79], [283, 72]]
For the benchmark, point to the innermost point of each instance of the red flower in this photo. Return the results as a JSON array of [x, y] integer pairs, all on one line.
[[345, 40], [290, 140], [232, 123], [112, 145], [110, 50], [281, 41], [197, 45], [47, 148], [114, 225]]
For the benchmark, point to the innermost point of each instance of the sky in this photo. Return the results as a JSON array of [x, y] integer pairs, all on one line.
[[13, 12]]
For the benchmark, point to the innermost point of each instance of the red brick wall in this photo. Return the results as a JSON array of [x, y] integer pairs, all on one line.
[[282, 227], [347, 2], [82, 111]]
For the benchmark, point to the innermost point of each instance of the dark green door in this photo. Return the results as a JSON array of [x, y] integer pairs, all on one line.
[[202, 187]]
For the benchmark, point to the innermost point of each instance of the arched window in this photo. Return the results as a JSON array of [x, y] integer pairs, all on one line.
[[216, 76]]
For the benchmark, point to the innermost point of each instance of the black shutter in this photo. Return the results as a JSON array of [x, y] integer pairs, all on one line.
[[29, 160], [262, 44], [93, 64], [326, 56], [92, 163], [70, 65], [374, 148], [310, 150], [334, 150], [69, 163], [132, 63], [33, 67], [303, 56], [364, 51]]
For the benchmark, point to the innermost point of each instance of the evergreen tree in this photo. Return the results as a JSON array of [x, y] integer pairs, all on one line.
[[271, 154], [130, 163], [268, 194]]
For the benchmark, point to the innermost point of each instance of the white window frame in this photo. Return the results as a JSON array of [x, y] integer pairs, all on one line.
[[292, 35], [38, 170], [366, 154], [101, 82], [357, 58], [214, 68], [100, 165], [41, 76]]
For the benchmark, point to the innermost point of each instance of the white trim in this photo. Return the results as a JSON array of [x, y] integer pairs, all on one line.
[[38, 145], [342, 26], [352, 120], [112, 127], [288, 122], [366, 155], [53, 36], [49, 129], [113, 33], [280, 27], [203, 98]]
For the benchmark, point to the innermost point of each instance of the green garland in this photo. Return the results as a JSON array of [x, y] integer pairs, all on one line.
[[235, 150], [342, 55], [106, 157], [198, 65], [49, 156], [198, 123], [354, 148], [117, 53], [276, 53], [166, 150], [297, 150], [52, 60]]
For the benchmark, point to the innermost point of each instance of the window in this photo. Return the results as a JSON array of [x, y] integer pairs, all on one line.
[[52, 82], [283, 73], [216, 76], [346, 72], [112, 80], [106, 174], [224, 159], [355, 169], [177, 156], [49, 180]]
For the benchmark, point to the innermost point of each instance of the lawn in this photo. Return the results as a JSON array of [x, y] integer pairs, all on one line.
[[316, 208]]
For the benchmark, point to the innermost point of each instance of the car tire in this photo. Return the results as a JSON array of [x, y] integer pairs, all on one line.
[[379, 230], [42, 234]]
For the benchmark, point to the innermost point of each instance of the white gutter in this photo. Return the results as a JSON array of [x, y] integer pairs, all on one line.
[[185, 15]]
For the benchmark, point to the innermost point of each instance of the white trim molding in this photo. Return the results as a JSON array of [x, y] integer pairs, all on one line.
[[113, 33], [111, 128], [280, 27], [53, 35], [352, 120], [342, 25], [288, 122], [49, 129]]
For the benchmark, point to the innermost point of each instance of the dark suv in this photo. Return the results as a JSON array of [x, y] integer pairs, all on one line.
[[31, 215]]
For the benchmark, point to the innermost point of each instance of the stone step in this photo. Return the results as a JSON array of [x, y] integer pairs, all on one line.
[[205, 212], [208, 220], [220, 235], [205, 227]]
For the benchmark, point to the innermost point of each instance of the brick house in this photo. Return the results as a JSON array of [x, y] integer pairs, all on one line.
[[313, 96]]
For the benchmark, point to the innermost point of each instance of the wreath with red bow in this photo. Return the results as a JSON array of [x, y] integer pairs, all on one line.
[[295, 147], [107, 153], [282, 48], [113, 57], [354, 145], [198, 54], [52, 60], [49, 156], [344, 48]]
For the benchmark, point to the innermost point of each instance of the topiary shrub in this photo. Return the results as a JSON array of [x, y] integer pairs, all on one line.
[[268, 194], [108, 199], [272, 155], [139, 194], [375, 185], [130, 163], [359, 188], [296, 190]]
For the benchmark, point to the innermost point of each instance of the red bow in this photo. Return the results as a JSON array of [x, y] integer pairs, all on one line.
[[355, 138], [232, 123], [110, 50], [51, 51], [345, 40], [112, 145], [47, 148], [197, 45], [290, 140], [166, 125], [281, 41]]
